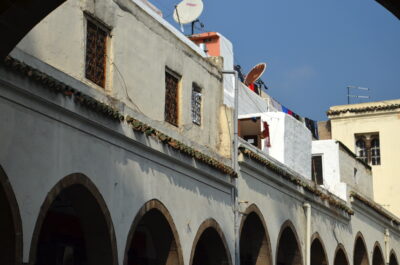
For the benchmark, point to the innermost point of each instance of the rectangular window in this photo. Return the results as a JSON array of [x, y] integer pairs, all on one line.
[[316, 168], [196, 104], [171, 98], [368, 148], [96, 48]]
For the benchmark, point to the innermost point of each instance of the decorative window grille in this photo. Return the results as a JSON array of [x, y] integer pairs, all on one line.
[[196, 104], [96, 48], [316, 168], [375, 152], [362, 150], [171, 98]]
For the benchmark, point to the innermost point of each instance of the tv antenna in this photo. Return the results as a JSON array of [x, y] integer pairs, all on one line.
[[356, 96], [188, 11]]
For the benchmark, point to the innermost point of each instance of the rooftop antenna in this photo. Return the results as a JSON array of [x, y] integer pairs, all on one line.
[[356, 96], [188, 11]]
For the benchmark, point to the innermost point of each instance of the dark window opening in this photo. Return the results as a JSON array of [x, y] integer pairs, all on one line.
[[96, 49], [196, 104], [171, 98], [368, 148], [316, 168]]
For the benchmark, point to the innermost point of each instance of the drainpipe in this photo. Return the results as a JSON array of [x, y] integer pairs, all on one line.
[[307, 207], [235, 165], [387, 246]]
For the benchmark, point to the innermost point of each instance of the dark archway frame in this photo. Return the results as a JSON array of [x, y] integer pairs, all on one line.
[[16, 216], [148, 206], [289, 224], [360, 236], [393, 254], [68, 181], [377, 245], [316, 236], [340, 247], [254, 209], [210, 223]]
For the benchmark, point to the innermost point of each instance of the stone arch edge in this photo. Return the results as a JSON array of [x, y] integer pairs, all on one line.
[[68, 181]]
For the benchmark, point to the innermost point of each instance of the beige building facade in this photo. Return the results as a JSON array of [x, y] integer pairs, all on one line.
[[371, 131]]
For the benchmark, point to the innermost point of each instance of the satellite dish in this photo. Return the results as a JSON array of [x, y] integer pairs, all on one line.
[[188, 11], [255, 73]]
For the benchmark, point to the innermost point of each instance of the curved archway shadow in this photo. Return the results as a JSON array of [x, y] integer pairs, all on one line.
[[340, 256], [360, 256], [10, 224], [153, 232], [393, 258], [377, 255], [209, 245], [255, 246], [74, 212], [288, 249], [318, 251]]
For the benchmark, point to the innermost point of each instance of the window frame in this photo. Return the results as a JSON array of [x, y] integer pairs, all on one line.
[[314, 178], [89, 18], [178, 78], [196, 89], [368, 139]]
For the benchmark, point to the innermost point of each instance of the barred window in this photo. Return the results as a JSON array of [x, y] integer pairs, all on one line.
[[171, 98], [196, 104], [362, 150], [375, 152], [96, 48]]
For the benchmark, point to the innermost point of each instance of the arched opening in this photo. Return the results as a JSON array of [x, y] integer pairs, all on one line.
[[19, 17], [153, 239], [74, 226], [318, 254], [393, 259], [340, 257], [254, 241], [289, 252], [360, 252], [377, 257], [10, 224], [209, 246]]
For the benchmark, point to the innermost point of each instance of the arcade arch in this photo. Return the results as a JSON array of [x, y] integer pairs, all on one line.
[[377, 256], [393, 258], [153, 238], [254, 240], [318, 253], [360, 256], [340, 256], [74, 226], [209, 246], [288, 251], [10, 224]]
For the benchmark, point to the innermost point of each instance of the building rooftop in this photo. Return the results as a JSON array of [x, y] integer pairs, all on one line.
[[386, 105]]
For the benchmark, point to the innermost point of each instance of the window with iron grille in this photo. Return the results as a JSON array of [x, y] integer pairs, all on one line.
[[196, 104], [171, 98], [96, 48]]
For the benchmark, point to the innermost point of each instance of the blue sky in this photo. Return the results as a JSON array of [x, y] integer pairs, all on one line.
[[313, 48]]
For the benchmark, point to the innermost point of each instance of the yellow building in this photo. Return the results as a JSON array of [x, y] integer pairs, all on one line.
[[372, 131]]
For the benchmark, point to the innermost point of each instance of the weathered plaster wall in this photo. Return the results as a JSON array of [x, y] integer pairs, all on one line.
[[48, 137], [140, 48]]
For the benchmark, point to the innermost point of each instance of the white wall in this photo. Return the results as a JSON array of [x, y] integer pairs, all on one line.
[[329, 150]]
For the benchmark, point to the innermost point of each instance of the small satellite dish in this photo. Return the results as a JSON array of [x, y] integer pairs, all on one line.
[[255, 73], [188, 11]]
